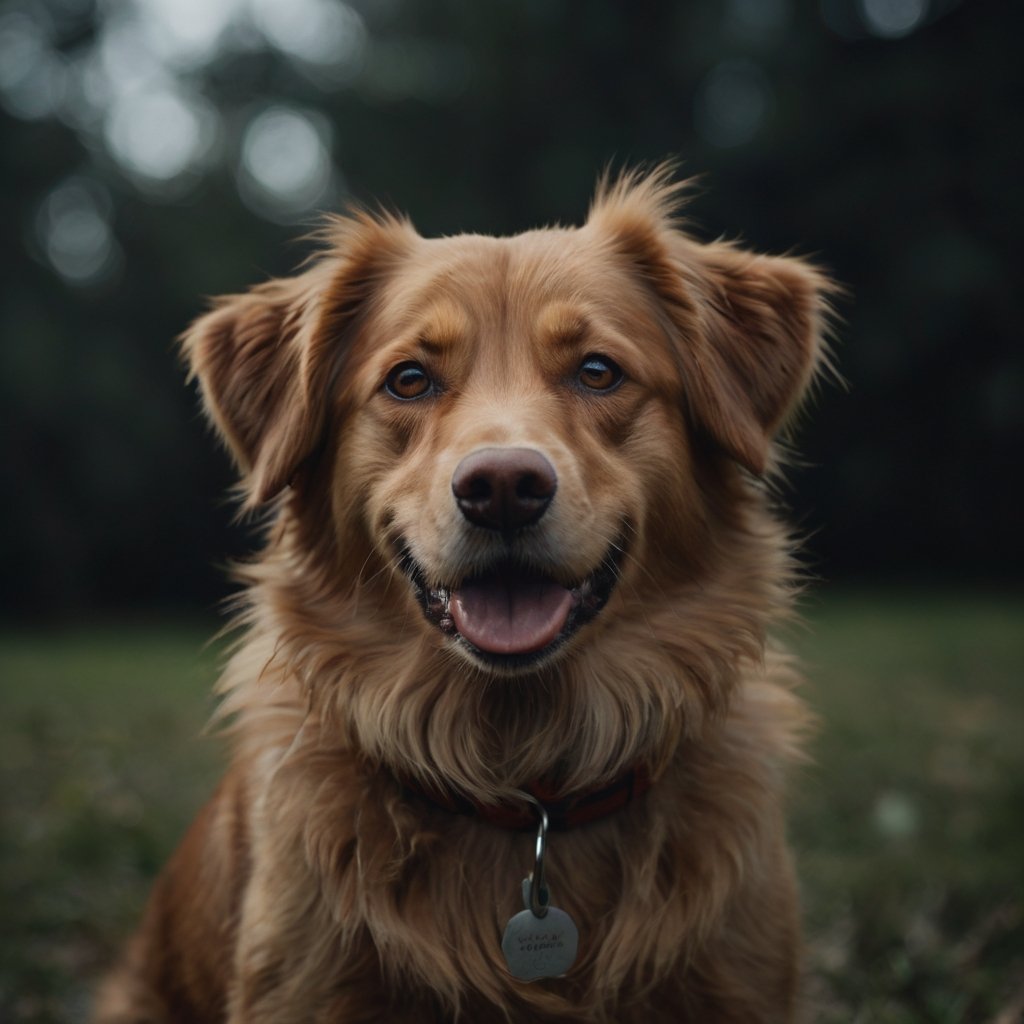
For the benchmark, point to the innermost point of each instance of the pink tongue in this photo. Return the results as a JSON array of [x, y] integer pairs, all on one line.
[[510, 614]]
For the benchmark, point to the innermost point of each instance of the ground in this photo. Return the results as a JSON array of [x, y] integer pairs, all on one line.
[[908, 823]]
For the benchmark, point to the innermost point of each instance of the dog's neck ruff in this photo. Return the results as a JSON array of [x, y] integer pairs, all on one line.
[[564, 812]]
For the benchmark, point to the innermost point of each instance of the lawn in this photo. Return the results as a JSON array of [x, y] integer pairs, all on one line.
[[909, 822]]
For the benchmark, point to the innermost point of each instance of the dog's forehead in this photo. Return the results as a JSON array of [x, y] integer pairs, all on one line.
[[546, 263], [545, 281]]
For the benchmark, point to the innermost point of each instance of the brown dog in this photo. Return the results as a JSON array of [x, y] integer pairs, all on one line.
[[520, 545]]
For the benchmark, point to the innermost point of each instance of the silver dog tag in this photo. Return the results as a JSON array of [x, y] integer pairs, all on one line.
[[539, 947], [540, 941]]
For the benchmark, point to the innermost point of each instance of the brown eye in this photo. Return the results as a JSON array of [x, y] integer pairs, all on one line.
[[599, 373], [408, 381]]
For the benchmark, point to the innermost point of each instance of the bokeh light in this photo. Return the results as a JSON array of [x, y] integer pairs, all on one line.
[[157, 135], [285, 168], [33, 76], [731, 103], [186, 33], [323, 33], [893, 19], [139, 88], [74, 232]]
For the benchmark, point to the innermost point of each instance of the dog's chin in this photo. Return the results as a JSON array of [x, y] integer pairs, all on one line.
[[510, 617]]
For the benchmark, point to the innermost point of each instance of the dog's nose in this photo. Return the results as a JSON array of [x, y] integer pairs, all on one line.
[[504, 488]]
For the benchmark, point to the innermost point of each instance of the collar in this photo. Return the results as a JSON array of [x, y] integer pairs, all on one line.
[[564, 812]]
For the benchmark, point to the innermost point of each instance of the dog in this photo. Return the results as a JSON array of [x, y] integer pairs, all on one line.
[[521, 562]]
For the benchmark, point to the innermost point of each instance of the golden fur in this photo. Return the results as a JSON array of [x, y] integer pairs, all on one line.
[[314, 886]]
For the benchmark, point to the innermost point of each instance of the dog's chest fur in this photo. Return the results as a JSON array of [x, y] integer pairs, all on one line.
[[411, 898]]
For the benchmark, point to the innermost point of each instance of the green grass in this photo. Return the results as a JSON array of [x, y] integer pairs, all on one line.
[[101, 767], [909, 824]]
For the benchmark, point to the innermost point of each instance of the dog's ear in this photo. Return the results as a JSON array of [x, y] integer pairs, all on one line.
[[747, 328], [250, 354], [264, 358], [760, 345]]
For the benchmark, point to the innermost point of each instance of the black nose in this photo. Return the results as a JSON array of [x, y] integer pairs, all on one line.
[[504, 488]]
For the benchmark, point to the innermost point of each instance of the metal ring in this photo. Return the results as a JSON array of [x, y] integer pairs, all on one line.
[[539, 898]]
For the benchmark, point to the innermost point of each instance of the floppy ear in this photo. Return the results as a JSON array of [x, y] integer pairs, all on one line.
[[250, 356], [264, 359], [762, 320], [747, 328]]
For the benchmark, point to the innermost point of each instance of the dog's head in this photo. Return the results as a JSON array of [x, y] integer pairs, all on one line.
[[534, 453]]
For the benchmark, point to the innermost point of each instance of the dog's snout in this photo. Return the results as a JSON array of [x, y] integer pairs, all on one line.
[[504, 488]]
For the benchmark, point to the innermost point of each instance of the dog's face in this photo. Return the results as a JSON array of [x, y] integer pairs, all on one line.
[[532, 440], [507, 405]]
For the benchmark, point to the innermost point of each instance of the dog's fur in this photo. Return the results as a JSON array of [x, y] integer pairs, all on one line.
[[316, 885]]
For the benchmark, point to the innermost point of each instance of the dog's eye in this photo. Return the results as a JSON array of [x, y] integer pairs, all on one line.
[[408, 381], [599, 373]]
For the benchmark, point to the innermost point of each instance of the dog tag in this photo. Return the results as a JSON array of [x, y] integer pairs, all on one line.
[[539, 947], [541, 940]]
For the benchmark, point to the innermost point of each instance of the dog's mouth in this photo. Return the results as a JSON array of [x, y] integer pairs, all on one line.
[[511, 615]]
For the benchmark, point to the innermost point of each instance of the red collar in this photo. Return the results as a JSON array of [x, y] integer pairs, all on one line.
[[563, 812]]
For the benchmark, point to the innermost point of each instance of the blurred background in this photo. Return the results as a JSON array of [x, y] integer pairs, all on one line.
[[155, 152]]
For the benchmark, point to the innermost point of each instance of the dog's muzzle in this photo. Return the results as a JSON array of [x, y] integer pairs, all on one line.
[[510, 613]]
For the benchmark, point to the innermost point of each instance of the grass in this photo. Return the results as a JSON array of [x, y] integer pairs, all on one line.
[[909, 823], [101, 767]]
